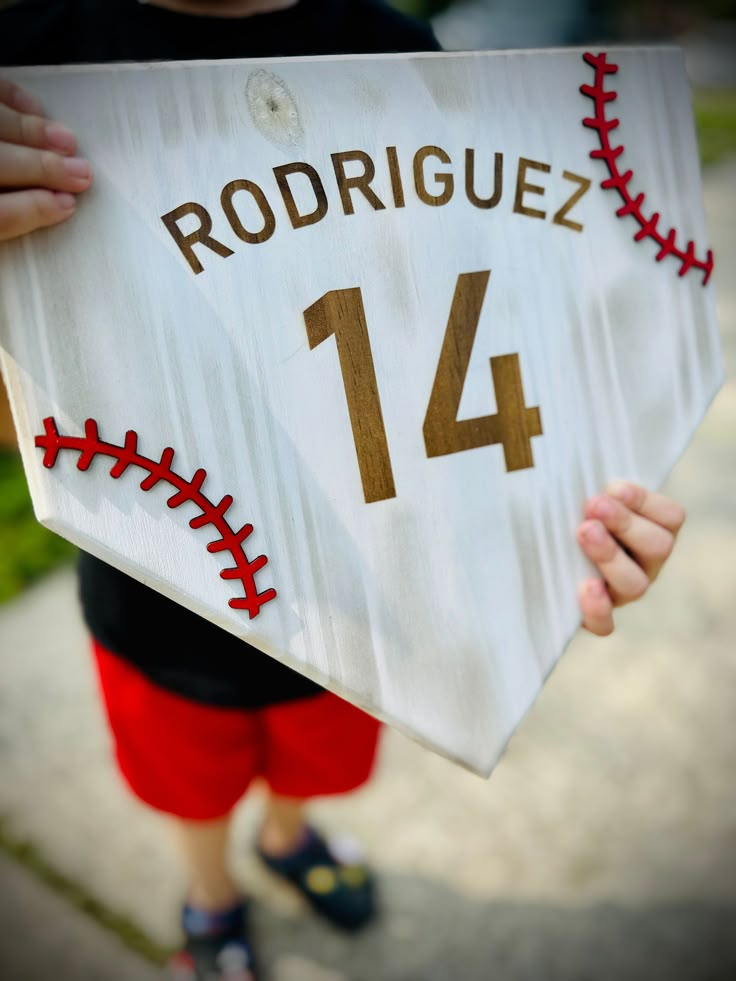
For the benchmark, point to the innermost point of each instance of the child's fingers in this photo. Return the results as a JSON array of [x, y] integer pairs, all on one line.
[[34, 131], [596, 607], [625, 578], [25, 211], [22, 128], [39, 174], [18, 98], [658, 508], [23, 166], [650, 543]]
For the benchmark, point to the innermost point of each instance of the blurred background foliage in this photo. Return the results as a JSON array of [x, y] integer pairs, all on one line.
[[706, 29], [27, 550], [715, 120]]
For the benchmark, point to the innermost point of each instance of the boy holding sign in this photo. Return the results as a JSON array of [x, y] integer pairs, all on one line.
[[197, 716]]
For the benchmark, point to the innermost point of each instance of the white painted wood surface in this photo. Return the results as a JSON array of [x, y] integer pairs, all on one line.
[[441, 609]]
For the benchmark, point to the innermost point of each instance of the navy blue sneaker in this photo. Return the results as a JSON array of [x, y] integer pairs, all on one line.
[[216, 949], [341, 889]]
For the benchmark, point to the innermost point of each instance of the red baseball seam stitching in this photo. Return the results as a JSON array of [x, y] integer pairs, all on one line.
[[90, 445], [620, 181]]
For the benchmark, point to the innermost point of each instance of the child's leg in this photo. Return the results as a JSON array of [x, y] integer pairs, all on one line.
[[192, 762], [203, 846], [312, 748], [214, 916], [283, 824]]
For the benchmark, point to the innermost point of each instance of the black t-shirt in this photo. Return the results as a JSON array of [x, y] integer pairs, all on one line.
[[50, 32], [172, 646]]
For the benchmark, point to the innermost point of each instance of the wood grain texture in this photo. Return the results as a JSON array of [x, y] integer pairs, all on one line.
[[525, 187], [512, 425], [299, 220], [341, 313], [492, 200], [444, 180], [357, 182], [173, 305], [583, 186]]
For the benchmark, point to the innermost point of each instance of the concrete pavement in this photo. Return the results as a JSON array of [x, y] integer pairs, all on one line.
[[603, 846], [44, 937]]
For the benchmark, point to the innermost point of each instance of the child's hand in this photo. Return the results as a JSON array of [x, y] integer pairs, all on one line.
[[39, 172], [628, 534]]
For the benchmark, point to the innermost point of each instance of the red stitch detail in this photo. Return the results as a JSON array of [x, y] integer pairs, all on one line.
[[90, 445], [619, 182]]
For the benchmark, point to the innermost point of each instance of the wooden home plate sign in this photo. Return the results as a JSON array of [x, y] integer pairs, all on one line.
[[334, 350]]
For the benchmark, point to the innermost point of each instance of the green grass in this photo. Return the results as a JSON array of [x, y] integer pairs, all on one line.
[[75, 895], [715, 120], [27, 550]]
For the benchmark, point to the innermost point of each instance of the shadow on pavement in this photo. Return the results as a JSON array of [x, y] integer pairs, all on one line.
[[430, 933]]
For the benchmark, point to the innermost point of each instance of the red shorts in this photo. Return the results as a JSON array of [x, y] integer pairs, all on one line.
[[196, 761]]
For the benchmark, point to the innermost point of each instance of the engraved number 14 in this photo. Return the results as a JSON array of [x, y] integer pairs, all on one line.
[[341, 312]]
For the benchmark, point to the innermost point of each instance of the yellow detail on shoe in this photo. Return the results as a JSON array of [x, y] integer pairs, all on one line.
[[353, 876], [321, 879]]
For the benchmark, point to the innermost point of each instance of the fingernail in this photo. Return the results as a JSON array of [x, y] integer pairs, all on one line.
[[77, 167], [24, 102], [60, 138], [620, 489], [66, 202], [595, 588], [593, 532], [602, 506]]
